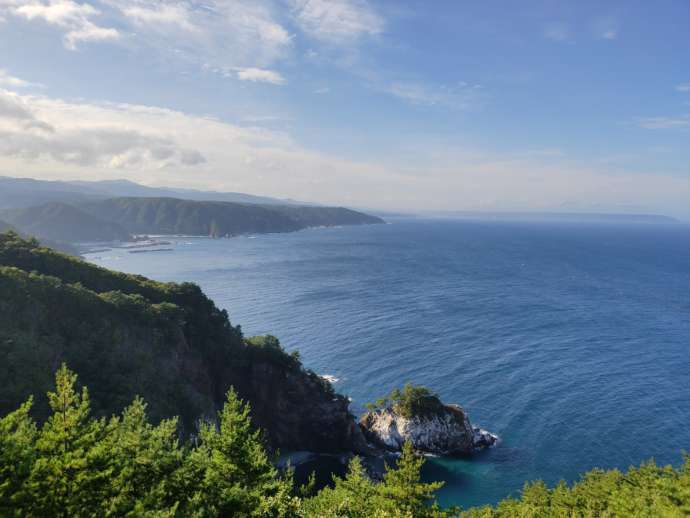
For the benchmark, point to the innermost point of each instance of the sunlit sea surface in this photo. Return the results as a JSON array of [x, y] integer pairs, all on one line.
[[571, 342]]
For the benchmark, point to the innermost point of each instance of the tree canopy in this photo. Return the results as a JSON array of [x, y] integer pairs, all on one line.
[[411, 401], [78, 465]]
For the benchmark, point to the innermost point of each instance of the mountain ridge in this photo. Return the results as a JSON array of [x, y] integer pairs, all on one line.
[[25, 192]]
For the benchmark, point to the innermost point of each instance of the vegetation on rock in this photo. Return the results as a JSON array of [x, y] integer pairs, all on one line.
[[411, 401]]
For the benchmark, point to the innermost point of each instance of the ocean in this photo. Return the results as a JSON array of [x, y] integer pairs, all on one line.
[[569, 341]]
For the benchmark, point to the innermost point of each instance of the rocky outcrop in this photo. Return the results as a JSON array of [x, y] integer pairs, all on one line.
[[299, 411], [446, 432]]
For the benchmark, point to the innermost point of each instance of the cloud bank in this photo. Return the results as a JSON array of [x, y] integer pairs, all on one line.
[[52, 138]]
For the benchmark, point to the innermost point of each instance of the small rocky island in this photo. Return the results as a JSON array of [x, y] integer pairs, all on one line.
[[417, 415]]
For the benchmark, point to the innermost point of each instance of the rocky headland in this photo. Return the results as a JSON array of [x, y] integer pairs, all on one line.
[[416, 415]]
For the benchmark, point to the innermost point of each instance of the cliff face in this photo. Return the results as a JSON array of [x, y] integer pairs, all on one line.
[[125, 336], [447, 432], [299, 414]]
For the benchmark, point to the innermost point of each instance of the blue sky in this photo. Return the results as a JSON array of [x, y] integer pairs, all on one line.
[[532, 105]]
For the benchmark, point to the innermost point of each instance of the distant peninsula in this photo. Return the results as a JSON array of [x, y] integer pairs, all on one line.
[[218, 218], [118, 219]]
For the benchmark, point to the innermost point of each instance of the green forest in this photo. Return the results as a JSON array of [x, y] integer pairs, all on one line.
[[76, 465]]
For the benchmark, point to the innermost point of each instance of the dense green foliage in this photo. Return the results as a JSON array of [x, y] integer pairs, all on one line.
[[411, 401], [649, 491], [60, 246], [127, 335], [124, 334], [216, 218], [76, 465], [400, 494]]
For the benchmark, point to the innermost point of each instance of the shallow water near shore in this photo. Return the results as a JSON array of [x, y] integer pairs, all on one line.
[[571, 342]]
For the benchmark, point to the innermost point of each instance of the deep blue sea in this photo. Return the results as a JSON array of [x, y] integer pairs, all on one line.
[[570, 341]]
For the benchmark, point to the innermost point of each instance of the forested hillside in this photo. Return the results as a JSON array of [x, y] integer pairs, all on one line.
[[211, 218], [126, 335], [63, 222]]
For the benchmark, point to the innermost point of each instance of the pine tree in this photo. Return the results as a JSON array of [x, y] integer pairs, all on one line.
[[145, 461], [403, 490], [17, 455], [70, 475], [354, 496], [232, 473], [400, 495]]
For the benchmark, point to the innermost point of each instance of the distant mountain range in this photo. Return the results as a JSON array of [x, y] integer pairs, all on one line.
[[79, 212], [26, 192]]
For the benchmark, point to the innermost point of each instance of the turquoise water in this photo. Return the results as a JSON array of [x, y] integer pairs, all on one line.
[[572, 342]]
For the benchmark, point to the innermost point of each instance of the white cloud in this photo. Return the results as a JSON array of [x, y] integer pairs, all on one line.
[[51, 138], [162, 16], [459, 97], [74, 18], [337, 21], [260, 75], [40, 128], [685, 87], [220, 34], [15, 109], [680, 122], [14, 82]]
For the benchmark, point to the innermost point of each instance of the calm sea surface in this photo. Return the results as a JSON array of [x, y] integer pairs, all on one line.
[[572, 342]]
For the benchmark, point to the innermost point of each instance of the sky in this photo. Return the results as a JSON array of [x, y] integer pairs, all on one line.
[[390, 104]]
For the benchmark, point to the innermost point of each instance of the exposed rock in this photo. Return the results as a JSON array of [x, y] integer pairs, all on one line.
[[447, 432], [483, 439], [297, 413]]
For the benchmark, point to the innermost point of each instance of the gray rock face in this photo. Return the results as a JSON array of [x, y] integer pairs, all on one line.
[[448, 432], [298, 414]]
